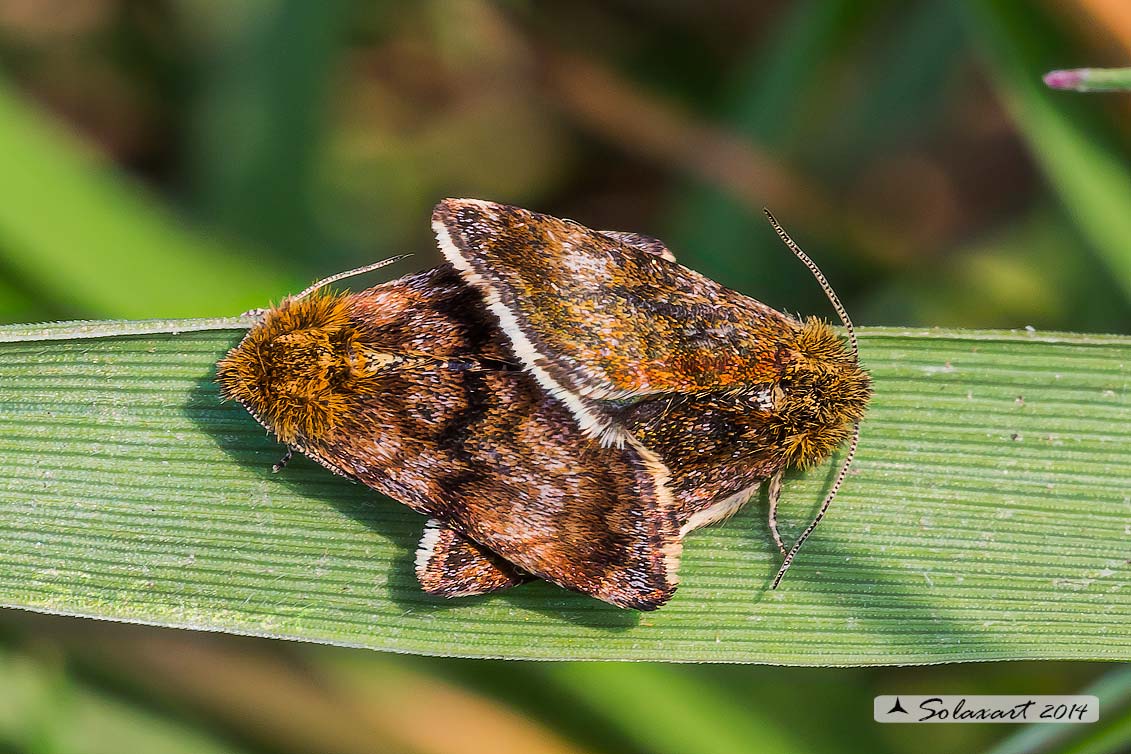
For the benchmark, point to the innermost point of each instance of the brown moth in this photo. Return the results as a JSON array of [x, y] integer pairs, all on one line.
[[414, 389], [727, 391]]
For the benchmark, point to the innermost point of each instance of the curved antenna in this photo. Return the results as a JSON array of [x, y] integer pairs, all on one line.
[[350, 273], [821, 280], [847, 322], [821, 513]]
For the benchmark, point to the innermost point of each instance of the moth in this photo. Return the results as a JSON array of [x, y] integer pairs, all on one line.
[[568, 405]]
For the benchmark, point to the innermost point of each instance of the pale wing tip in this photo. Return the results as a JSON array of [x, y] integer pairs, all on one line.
[[446, 207], [427, 547]]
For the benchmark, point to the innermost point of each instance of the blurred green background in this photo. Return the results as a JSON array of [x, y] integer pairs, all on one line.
[[173, 158]]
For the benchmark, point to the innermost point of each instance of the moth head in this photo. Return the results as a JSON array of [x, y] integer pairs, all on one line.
[[293, 370], [822, 393]]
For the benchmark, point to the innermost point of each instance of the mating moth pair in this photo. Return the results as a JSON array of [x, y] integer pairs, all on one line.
[[562, 403]]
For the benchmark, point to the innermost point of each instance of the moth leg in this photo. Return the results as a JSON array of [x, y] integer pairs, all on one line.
[[699, 515], [647, 244], [449, 564], [775, 495], [282, 463]]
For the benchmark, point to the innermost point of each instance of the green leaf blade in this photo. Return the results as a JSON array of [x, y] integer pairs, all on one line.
[[988, 517]]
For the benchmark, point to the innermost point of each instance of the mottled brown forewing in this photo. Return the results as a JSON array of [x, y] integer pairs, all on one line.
[[603, 318], [487, 452]]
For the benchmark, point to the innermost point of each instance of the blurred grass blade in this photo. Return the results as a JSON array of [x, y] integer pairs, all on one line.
[[1114, 693], [1090, 79], [406, 704], [1110, 739], [669, 712], [989, 518], [68, 222], [764, 104], [261, 116], [1079, 155], [44, 709]]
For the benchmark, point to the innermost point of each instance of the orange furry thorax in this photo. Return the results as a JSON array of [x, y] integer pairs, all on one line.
[[295, 370], [822, 393]]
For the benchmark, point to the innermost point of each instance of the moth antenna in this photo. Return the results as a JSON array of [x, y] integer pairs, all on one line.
[[350, 273], [821, 279], [824, 507]]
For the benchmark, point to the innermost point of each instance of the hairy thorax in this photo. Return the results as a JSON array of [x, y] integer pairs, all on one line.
[[296, 371], [821, 393]]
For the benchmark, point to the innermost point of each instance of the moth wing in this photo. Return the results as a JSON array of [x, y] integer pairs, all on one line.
[[492, 456], [598, 318], [714, 472], [717, 468], [449, 564], [647, 244], [534, 490]]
